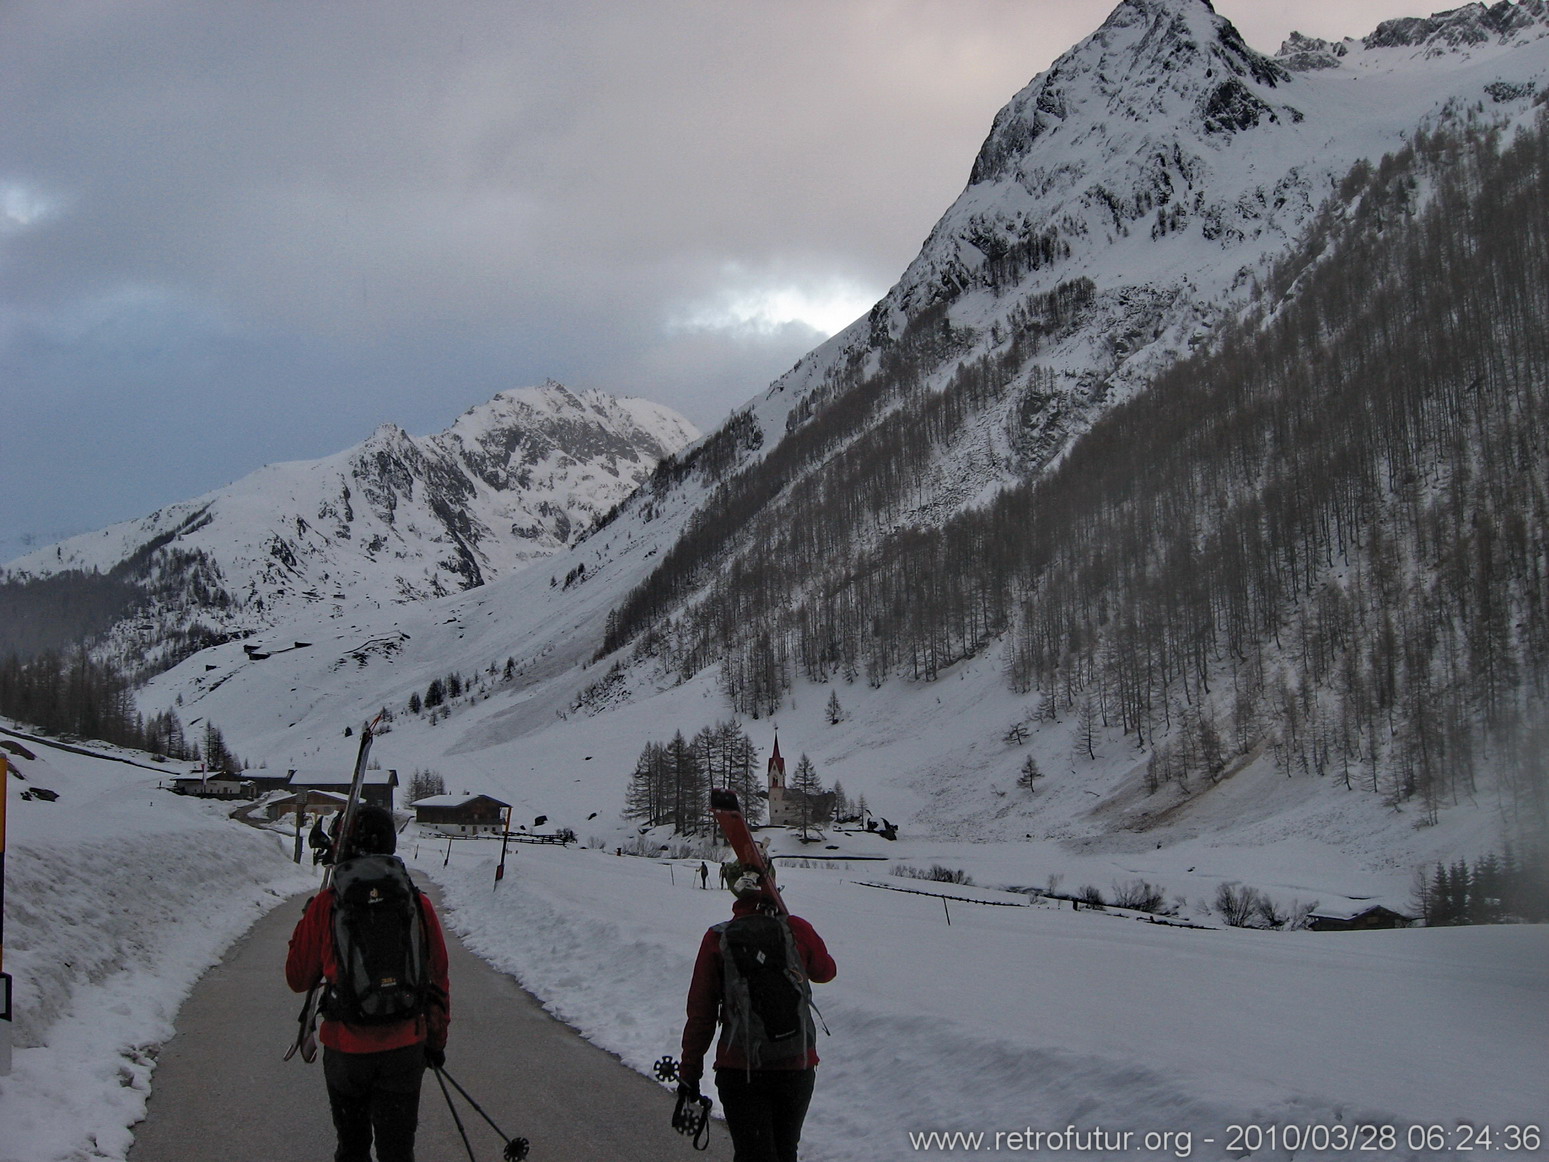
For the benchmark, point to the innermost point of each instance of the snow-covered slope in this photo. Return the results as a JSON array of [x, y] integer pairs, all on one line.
[[397, 518], [117, 897], [1151, 173], [1167, 162]]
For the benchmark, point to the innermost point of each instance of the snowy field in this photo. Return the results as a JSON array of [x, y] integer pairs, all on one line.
[[948, 1016], [1034, 1016]]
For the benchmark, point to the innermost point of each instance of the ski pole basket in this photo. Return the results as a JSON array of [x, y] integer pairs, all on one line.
[[515, 1148]]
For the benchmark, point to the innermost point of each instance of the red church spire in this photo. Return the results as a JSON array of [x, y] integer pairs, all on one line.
[[776, 765]]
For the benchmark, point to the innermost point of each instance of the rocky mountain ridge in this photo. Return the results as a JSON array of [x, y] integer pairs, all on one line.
[[396, 519]]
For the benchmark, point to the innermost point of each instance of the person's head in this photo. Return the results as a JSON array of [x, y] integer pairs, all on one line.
[[372, 832]]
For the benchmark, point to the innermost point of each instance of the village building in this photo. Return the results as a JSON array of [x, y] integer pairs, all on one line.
[[376, 787], [312, 804], [265, 781], [213, 786], [461, 814], [788, 806], [1356, 917]]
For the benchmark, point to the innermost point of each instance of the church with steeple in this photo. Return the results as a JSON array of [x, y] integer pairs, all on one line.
[[786, 803]]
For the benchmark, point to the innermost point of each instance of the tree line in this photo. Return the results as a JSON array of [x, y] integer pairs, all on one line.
[[1495, 889], [670, 785], [76, 695], [145, 614]]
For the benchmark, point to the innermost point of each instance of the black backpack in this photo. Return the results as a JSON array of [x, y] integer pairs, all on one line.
[[766, 997], [379, 939]]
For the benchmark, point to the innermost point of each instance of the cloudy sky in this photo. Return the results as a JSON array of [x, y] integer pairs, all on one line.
[[239, 232]]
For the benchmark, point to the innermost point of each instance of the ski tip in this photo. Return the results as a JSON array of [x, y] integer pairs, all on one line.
[[723, 800]]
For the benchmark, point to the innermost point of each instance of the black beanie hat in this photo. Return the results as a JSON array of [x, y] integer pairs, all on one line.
[[374, 831]]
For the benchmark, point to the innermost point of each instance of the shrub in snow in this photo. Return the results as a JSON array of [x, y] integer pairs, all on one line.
[[1140, 895]]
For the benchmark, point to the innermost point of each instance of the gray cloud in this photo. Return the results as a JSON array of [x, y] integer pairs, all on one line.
[[236, 233]]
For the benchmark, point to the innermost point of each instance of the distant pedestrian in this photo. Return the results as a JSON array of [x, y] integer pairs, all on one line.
[[704, 876]]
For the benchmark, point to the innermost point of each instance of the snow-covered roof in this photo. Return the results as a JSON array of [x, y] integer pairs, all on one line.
[[454, 801], [315, 798], [336, 778], [1349, 910]]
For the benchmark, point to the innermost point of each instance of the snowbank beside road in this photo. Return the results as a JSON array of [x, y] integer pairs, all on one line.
[[118, 897]]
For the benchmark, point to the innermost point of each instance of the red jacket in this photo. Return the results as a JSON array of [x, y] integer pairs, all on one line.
[[704, 998], [312, 959]]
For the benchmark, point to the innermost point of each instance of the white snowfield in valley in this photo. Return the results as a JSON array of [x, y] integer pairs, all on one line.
[[1005, 1019]]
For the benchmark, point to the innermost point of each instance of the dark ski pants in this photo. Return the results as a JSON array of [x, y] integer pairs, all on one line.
[[764, 1111], [375, 1095]]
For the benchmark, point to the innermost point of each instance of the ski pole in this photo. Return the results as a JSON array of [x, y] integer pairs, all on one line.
[[516, 1148], [691, 1116], [456, 1118]]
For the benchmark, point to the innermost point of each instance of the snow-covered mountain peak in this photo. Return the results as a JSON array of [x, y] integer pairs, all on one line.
[[397, 518], [1124, 202], [1457, 32], [1148, 129], [1157, 63], [1179, 35], [387, 432]]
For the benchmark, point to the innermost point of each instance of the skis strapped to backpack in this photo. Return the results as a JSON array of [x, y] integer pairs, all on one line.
[[306, 1034], [734, 826]]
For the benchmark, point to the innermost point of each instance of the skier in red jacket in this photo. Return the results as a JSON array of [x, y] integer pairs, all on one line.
[[765, 1102], [373, 1072]]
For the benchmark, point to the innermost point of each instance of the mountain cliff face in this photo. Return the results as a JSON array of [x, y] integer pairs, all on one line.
[[1164, 160], [395, 519], [1125, 205]]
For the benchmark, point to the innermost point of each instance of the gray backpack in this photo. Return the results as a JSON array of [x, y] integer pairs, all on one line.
[[766, 997]]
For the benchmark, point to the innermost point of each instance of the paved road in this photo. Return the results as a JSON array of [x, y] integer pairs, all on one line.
[[221, 1091]]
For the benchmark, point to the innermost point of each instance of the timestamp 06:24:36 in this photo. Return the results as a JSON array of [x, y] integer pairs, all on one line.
[[1372, 1137]]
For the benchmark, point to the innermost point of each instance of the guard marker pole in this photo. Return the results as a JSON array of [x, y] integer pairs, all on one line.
[[299, 820], [505, 842], [5, 977]]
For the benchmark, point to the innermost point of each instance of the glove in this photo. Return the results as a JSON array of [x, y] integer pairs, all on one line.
[[689, 1089], [435, 1058]]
